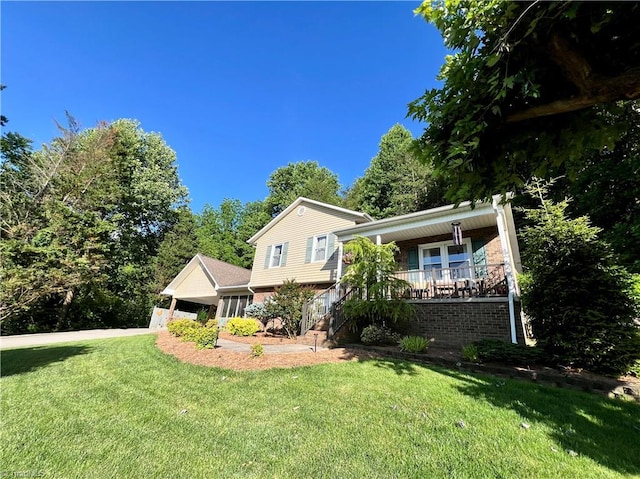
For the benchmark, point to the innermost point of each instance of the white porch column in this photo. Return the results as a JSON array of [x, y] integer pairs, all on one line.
[[339, 268], [508, 268], [378, 240]]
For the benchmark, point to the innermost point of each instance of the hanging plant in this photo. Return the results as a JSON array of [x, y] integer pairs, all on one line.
[[348, 257]]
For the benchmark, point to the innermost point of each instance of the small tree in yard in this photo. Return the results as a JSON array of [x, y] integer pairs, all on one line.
[[579, 302], [287, 303], [379, 292]]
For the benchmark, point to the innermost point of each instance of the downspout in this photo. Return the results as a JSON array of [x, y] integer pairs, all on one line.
[[499, 210]]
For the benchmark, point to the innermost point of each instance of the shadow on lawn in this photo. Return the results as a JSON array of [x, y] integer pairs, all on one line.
[[605, 430], [20, 361], [398, 366]]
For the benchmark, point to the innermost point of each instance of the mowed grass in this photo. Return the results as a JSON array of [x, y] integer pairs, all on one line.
[[116, 409]]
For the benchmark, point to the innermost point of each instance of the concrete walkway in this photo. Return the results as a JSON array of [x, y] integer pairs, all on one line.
[[268, 348], [43, 339]]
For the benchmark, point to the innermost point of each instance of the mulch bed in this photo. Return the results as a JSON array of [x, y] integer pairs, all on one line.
[[226, 359], [626, 386]]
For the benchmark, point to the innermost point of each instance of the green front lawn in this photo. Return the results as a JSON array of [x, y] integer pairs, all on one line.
[[119, 408]]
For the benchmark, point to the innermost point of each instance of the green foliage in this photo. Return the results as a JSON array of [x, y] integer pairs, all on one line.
[[494, 351], [379, 292], [212, 323], [257, 350], [82, 219], [177, 248], [518, 90], [243, 326], [377, 335], [304, 178], [223, 233], [414, 344], [395, 182], [607, 189], [470, 353], [287, 303], [178, 327], [205, 338], [577, 299], [258, 311]]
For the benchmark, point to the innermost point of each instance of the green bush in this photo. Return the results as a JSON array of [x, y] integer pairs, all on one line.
[[376, 335], [581, 305], [494, 351], [258, 311], [205, 338], [286, 304], [177, 327], [470, 353], [414, 344], [257, 350], [212, 323], [243, 326]]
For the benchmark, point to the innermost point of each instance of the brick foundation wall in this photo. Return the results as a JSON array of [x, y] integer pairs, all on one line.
[[459, 322]]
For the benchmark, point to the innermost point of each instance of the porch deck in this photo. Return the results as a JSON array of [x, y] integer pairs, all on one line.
[[478, 281]]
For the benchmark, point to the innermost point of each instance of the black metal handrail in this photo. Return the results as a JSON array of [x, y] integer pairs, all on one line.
[[474, 281]]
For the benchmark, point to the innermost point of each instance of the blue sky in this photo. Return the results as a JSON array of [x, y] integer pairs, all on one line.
[[237, 89]]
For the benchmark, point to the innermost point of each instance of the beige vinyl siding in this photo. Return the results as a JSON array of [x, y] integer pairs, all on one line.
[[196, 284], [295, 230]]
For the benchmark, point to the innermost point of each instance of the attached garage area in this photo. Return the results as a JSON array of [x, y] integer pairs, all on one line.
[[211, 282]]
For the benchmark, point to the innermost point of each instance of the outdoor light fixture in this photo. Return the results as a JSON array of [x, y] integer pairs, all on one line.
[[456, 231]]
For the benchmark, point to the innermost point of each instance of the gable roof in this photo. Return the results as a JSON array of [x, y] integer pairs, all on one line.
[[357, 216], [220, 273]]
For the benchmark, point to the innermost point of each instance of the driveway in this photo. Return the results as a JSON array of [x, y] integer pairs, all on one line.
[[42, 339]]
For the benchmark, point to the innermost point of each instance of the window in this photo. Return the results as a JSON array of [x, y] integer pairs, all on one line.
[[276, 256], [320, 248], [234, 306], [452, 262]]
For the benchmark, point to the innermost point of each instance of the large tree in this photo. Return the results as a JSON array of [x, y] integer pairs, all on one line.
[[223, 232], [529, 86], [395, 182], [304, 178], [82, 218]]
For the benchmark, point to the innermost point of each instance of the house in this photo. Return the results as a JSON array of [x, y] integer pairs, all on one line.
[[461, 263], [299, 244], [214, 283]]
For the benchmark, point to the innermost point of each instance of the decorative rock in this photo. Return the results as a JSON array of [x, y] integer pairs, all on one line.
[[572, 453], [524, 425]]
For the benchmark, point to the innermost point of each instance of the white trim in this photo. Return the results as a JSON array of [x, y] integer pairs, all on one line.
[[314, 247], [444, 253], [506, 255], [363, 217], [180, 277], [272, 256]]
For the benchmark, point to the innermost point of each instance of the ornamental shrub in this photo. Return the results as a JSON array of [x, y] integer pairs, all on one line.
[[258, 311], [287, 303], [580, 303], [470, 353], [243, 326], [257, 350], [414, 344], [494, 351], [377, 335], [177, 327], [205, 338]]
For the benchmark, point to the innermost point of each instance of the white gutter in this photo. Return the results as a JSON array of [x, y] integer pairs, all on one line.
[[499, 210]]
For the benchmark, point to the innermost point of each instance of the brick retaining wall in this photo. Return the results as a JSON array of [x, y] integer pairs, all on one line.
[[458, 322]]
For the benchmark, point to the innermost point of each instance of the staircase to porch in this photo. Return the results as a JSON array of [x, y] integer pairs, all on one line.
[[323, 314]]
